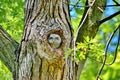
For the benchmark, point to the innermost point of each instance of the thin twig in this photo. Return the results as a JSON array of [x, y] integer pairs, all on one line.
[[116, 46], [95, 6], [75, 5], [80, 6], [105, 55]]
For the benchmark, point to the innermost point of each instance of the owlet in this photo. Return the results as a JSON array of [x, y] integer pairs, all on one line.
[[54, 41]]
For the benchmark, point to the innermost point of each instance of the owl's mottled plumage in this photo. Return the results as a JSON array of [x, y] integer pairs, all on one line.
[[54, 41]]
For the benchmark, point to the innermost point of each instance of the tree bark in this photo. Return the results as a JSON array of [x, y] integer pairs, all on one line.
[[38, 60], [7, 51]]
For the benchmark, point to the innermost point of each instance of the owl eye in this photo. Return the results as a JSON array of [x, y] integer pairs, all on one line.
[[50, 37], [57, 38]]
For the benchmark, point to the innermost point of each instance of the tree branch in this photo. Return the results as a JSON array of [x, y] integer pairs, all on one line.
[[89, 25], [7, 50], [116, 2], [106, 49], [109, 17]]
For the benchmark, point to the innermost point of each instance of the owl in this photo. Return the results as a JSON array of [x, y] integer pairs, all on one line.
[[54, 41]]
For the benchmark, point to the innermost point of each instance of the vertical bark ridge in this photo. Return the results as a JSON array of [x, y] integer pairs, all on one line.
[[8, 51], [38, 60]]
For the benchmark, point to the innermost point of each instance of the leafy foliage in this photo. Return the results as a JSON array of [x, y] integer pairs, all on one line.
[[11, 17], [5, 74], [90, 47]]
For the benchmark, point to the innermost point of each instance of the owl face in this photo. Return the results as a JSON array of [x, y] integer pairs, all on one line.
[[54, 41]]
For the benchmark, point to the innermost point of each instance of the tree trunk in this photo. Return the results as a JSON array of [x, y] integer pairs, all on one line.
[[38, 59]]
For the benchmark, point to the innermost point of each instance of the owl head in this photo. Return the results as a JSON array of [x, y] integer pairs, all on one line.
[[54, 41]]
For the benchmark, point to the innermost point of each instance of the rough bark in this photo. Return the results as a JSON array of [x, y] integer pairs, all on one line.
[[38, 60], [7, 51]]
